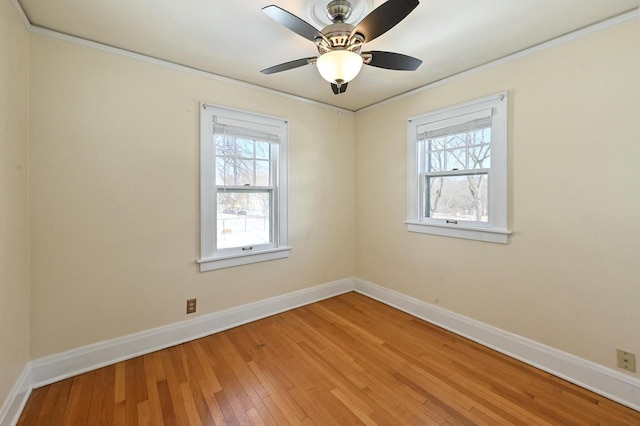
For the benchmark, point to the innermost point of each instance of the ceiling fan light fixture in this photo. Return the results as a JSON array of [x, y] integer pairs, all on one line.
[[339, 66]]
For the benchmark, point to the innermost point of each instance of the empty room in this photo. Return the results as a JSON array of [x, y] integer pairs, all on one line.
[[319, 212]]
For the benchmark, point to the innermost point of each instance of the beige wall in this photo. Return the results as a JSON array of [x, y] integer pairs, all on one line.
[[114, 199], [114, 189], [570, 275], [14, 232]]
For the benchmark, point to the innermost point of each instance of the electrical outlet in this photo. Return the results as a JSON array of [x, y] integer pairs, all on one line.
[[627, 360], [191, 306]]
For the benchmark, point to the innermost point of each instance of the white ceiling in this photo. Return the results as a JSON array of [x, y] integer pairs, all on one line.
[[236, 39]]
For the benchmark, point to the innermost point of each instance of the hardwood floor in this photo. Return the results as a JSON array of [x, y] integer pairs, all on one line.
[[345, 360]]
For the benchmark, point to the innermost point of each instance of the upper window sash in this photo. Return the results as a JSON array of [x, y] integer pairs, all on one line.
[[257, 180], [468, 157]]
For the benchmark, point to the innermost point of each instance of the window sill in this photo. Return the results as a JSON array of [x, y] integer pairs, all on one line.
[[229, 261], [490, 235]]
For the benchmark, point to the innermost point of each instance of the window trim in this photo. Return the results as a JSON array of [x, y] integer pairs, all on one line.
[[210, 257], [496, 230]]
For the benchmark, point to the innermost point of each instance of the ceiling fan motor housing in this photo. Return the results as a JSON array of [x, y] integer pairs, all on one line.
[[338, 37]]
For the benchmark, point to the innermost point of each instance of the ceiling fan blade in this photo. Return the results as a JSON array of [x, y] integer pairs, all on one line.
[[337, 90], [393, 61], [384, 17], [287, 66], [292, 22]]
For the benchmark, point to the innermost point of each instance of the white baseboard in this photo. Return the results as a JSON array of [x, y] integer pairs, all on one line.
[[595, 377], [60, 366], [16, 400]]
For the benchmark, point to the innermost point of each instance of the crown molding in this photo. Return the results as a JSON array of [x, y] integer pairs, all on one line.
[[607, 23], [23, 16], [590, 29], [47, 32]]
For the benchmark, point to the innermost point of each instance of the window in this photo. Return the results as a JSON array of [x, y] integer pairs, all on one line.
[[457, 171], [243, 188]]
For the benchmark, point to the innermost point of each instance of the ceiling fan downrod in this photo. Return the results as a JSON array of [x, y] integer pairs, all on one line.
[[339, 10]]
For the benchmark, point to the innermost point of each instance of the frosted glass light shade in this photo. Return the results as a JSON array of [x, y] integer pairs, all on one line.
[[339, 66]]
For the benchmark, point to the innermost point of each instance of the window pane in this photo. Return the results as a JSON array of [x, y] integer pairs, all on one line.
[[456, 141], [225, 171], [480, 136], [244, 219], [460, 198], [435, 161], [220, 171], [244, 172], [263, 172], [480, 157], [220, 142], [263, 150], [245, 148], [456, 159]]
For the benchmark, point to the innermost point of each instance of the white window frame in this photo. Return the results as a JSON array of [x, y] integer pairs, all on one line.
[[212, 258], [496, 230]]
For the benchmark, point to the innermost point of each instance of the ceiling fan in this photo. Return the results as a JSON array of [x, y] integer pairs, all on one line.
[[339, 44]]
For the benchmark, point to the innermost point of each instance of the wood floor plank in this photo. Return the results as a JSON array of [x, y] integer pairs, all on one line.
[[250, 384], [289, 407], [132, 397], [168, 414], [101, 405], [237, 398], [77, 408], [190, 405], [362, 413], [204, 361], [61, 406], [212, 403], [344, 360], [255, 417], [144, 415], [154, 403], [48, 405], [194, 371], [435, 403], [173, 384], [120, 393], [158, 366]]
